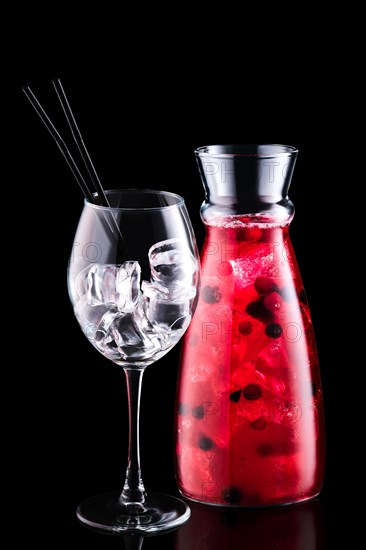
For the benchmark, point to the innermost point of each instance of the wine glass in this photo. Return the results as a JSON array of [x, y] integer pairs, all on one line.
[[133, 277]]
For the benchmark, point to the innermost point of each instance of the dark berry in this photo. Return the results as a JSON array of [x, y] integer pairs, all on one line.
[[205, 443], [302, 297], [273, 330], [252, 392], [235, 396], [258, 311], [259, 424], [211, 294], [224, 269], [264, 285], [182, 409], [232, 495], [245, 327], [198, 412], [314, 388], [265, 449]]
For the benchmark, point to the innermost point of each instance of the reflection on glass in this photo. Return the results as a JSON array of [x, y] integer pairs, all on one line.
[[299, 527]]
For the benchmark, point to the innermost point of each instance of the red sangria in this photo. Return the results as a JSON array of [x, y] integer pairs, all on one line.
[[249, 422]]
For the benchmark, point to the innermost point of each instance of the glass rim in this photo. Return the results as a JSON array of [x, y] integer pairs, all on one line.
[[180, 200], [246, 150]]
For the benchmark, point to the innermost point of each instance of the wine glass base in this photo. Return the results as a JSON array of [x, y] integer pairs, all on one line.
[[105, 513]]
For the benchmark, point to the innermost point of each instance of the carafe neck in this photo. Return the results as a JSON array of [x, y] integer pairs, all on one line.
[[250, 180]]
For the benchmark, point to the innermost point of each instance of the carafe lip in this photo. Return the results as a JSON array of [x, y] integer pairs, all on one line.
[[260, 150]]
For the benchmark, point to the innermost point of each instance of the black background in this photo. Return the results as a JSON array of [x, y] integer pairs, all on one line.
[[142, 115]]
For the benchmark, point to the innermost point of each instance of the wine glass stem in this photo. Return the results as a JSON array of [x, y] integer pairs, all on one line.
[[133, 494]]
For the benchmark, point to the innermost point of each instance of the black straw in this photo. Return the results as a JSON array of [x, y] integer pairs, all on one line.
[[60, 143], [78, 138], [100, 197]]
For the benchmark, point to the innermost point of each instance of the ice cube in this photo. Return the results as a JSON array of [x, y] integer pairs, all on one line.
[[248, 268], [161, 308], [113, 285], [172, 263], [124, 322], [275, 382], [102, 284], [167, 309], [89, 317], [128, 335], [105, 323], [128, 286], [104, 340], [81, 281], [155, 290], [169, 317], [272, 369], [167, 297], [167, 314]]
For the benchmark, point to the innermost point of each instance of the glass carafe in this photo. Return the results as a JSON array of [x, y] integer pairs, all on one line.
[[249, 419]]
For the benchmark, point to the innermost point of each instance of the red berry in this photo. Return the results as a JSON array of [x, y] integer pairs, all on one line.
[[259, 424], [251, 234], [245, 328], [252, 392], [224, 269], [272, 302], [264, 285], [265, 449]]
